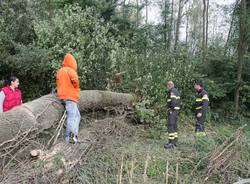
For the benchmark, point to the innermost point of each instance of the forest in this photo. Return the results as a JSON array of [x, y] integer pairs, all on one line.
[[130, 47]]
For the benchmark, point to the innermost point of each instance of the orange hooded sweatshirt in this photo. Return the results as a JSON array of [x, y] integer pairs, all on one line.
[[68, 87]]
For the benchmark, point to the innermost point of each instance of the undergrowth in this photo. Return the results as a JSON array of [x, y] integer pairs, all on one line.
[[141, 158]]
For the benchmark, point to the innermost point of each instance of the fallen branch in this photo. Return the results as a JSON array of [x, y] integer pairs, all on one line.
[[57, 131], [244, 181], [223, 155]]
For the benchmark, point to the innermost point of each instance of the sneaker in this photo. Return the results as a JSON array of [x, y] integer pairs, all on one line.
[[75, 139]]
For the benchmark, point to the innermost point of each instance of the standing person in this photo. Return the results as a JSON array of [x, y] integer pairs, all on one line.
[[173, 106], [10, 95], [201, 106], [68, 90]]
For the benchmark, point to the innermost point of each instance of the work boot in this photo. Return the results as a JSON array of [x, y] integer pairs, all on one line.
[[169, 145], [175, 141]]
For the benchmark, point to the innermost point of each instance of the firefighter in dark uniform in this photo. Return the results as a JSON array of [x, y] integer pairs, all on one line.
[[201, 107], [173, 106]]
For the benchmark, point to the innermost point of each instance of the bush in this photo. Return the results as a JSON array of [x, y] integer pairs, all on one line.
[[83, 33]]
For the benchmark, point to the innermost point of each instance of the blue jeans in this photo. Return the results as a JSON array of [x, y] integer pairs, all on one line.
[[73, 119]]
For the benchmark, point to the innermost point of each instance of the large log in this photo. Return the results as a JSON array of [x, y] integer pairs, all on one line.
[[44, 112]]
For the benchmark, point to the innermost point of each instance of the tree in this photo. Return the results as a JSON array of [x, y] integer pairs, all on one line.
[[178, 21], [207, 21], [165, 24], [146, 4], [232, 27], [204, 31], [241, 53], [187, 27], [171, 25], [137, 13], [195, 26]]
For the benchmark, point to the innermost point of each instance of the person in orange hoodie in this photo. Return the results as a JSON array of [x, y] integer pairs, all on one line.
[[68, 90]]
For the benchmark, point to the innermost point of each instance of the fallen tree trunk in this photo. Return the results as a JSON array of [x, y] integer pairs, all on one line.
[[44, 112]]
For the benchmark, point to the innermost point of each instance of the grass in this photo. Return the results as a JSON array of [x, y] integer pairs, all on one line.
[[144, 153], [125, 153]]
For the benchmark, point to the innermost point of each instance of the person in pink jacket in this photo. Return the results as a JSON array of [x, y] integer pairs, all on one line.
[[10, 95]]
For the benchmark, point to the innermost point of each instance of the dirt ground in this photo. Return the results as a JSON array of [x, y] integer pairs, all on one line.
[[97, 130]]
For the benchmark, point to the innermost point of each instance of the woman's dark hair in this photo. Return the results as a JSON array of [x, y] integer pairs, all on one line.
[[8, 81]]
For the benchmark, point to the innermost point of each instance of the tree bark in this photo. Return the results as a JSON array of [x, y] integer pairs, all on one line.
[[137, 13], [187, 27], [241, 53], [171, 25], [146, 12], [178, 22], [231, 27], [46, 111], [207, 22], [204, 32], [124, 9], [165, 24], [147, 31]]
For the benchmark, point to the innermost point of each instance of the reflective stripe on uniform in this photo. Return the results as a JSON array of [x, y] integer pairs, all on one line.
[[173, 135], [176, 97], [177, 108], [169, 100], [205, 97], [198, 100], [197, 108]]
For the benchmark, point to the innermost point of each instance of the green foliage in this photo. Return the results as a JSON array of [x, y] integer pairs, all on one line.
[[144, 113], [81, 32], [105, 38], [151, 74], [14, 26], [32, 65]]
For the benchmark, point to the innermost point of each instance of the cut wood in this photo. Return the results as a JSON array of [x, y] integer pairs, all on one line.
[[46, 111], [35, 153]]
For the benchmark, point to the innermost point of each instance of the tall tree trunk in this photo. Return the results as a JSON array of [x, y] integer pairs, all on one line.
[[165, 24], [171, 25], [204, 32], [187, 27], [137, 13], [146, 12], [241, 53], [124, 9], [147, 33], [231, 27], [178, 22], [207, 21], [50, 9]]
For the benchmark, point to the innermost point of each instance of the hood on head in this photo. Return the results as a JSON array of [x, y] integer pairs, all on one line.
[[69, 61]]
